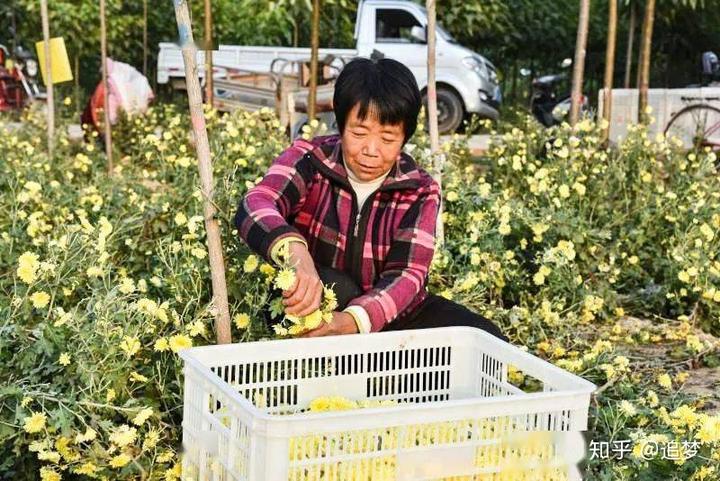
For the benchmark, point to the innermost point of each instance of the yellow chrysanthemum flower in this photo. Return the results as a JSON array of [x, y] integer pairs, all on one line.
[[120, 460], [34, 423], [161, 345], [89, 435], [285, 279], [123, 435], [64, 359], [28, 264], [127, 285], [250, 264], [242, 320], [664, 381], [87, 468], [179, 342], [40, 299], [267, 269], [313, 320], [49, 474], [142, 416], [130, 345]]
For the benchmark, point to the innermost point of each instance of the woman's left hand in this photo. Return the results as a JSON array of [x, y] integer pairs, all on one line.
[[342, 323]]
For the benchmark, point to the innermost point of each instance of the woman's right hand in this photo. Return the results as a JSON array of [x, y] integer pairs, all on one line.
[[305, 296]]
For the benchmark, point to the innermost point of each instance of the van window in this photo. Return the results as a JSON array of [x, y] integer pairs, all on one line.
[[393, 26]]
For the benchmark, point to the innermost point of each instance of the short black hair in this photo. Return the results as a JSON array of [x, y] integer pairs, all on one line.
[[385, 86]]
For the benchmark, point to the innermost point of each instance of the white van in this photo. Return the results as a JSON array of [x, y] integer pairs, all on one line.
[[466, 81]]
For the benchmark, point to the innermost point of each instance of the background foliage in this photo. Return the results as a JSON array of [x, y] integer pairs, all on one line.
[[511, 33]]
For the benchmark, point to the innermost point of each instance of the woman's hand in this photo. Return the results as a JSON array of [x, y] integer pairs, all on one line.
[[305, 295], [342, 323]]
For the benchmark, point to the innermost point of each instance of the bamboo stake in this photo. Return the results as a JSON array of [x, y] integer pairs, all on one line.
[[48, 78], [631, 41], [579, 66], [643, 84], [609, 66], [145, 36], [202, 146], [314, 46], [433, 114], [208, 53], [106, 104]]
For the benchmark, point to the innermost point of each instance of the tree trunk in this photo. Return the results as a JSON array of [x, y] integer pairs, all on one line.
[[208, 53], [645, 67], [631, 40], [202, 146], [433, 114], [579, 67], [314, 46], [145, 36], [106, 104], [48, 79], [609, 65]]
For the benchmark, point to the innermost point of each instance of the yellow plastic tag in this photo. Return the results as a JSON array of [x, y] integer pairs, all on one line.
[[59, 61]]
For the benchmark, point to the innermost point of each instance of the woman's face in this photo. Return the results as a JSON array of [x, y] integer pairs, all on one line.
[[370, 148]]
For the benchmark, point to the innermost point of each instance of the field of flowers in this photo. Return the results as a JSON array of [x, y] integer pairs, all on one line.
[[603, 261]]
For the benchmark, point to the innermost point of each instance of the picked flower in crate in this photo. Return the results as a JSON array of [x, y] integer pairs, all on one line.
[[431, 404]]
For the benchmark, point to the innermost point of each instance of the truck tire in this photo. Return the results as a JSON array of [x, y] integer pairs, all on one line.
[[450, 110]]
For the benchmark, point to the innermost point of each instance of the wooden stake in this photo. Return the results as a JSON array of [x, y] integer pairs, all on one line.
[[106, 104], [609, 65], [433, 114], [208, 53], [579, 66], [314, 46], [644, 67], [631, 41], [48, 79], [202, 146], [145, 36]]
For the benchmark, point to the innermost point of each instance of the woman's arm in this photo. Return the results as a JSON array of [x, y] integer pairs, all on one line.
[[407, 263], [261, 219]]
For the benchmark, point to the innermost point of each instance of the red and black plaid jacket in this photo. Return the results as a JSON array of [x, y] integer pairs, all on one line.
[[387, 247]]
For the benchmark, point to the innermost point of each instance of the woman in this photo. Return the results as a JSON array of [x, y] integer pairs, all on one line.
[[356, 211]]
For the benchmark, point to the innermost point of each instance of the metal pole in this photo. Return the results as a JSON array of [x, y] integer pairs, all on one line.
[[202, 146], [48, 78], [106, 104]]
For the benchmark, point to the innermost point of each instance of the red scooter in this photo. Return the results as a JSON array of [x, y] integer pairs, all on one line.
[[18, 79]]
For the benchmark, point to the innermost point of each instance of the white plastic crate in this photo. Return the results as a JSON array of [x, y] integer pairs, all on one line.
[[451, 413]]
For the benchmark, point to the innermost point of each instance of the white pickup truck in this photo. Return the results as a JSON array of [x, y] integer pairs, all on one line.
[[466, 81]]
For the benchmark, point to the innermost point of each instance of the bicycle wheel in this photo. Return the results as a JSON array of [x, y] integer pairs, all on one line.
[[696, 126]]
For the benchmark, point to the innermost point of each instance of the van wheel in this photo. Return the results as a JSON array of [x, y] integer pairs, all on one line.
[[450, 110]]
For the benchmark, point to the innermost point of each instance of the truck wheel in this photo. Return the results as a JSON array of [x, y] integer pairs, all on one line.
[[450, 110]]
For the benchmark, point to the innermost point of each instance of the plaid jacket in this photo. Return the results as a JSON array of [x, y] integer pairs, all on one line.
[[387, 247]]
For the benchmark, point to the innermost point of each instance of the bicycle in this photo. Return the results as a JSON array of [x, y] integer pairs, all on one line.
[[696, 125]]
